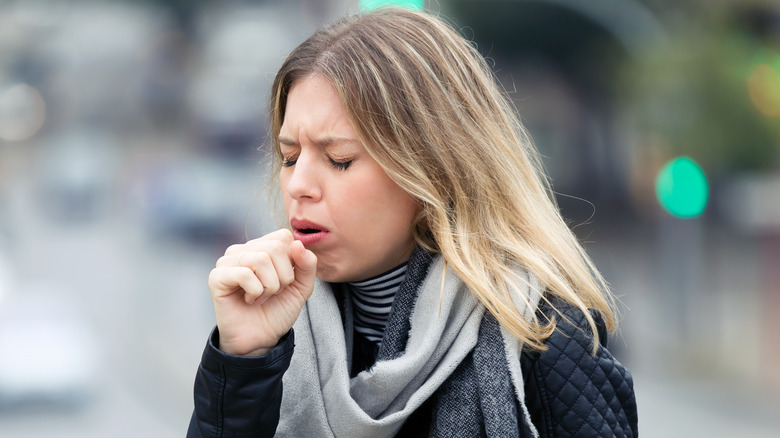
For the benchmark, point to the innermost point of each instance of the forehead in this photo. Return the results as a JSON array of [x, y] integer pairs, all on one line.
[[313, 104]]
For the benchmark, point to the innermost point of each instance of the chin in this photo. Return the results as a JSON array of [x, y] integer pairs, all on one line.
[[329, 274], [332, 274]]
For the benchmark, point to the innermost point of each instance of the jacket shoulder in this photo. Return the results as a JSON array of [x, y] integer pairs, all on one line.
[[571, 392]]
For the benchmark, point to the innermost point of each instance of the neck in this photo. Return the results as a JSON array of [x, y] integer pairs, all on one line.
[[372, 301]]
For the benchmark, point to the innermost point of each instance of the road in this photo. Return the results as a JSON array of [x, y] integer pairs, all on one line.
[[146, 302]]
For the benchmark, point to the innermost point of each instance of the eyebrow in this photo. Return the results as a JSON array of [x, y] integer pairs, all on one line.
[[323, 142]]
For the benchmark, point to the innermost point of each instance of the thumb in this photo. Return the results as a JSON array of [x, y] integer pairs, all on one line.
[[305, 265]]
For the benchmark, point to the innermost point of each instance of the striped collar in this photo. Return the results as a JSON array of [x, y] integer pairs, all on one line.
[[372, 301]]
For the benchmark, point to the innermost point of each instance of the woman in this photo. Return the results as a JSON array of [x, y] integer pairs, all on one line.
[[433, 287]]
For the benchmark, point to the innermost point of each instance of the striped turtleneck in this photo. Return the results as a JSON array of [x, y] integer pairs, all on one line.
[[372, 300]]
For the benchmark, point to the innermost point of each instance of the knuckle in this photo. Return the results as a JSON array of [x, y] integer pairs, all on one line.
[[282, 234], [246, 275], [251, 284], [214, 280], [287, 235], [275, 246], [255, 239], [222, 261], [234, 248], [253, 293], [287, 278], [274, 284], [263, 258]]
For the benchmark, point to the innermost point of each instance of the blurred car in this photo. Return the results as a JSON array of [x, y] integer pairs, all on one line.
[[49, 354], [76, 174], [198, 200]]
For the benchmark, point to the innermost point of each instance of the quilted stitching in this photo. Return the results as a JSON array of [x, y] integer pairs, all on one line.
[[584, 395]]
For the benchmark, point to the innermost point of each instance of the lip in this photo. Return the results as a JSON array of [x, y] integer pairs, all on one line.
[[308, 238]]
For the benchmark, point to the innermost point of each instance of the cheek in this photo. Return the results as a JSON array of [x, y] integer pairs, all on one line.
[[393, 208], [402, 203], [406, 211], [282, 191]]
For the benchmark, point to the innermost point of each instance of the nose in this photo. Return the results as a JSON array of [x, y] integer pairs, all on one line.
[[302, 179]]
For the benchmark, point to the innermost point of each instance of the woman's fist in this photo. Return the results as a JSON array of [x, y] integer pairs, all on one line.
[[258, 289]]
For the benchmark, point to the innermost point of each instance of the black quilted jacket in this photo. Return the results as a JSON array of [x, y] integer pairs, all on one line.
[[569, 392]]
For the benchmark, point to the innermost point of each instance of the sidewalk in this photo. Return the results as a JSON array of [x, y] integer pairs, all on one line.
[[693, 331], [672, 407]]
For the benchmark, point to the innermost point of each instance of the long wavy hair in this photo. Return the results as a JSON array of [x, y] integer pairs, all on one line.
[[429, 110]]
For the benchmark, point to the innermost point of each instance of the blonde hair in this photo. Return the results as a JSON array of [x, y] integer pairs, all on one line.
[[428, 109]]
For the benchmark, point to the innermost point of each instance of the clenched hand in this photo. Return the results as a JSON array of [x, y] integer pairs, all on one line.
[[258, 289]]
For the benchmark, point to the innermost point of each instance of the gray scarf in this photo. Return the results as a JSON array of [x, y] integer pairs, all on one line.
[[451, 348]]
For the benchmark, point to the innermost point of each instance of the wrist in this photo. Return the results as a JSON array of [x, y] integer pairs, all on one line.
[[214, 357], [243, 352], [236, 349], [254, 353]]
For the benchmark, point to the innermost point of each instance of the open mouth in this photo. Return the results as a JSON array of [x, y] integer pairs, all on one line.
[[308, 232]]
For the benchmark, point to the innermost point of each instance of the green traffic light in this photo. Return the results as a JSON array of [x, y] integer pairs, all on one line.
[[374, 4], [682, 188]]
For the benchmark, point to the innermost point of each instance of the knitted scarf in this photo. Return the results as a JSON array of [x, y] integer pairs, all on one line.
[[439, 341]]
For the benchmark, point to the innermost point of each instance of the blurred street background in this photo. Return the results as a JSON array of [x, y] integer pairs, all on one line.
[[132, 153]]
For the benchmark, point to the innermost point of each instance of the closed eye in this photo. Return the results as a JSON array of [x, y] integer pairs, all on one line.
[[340, 165], [288, 162]]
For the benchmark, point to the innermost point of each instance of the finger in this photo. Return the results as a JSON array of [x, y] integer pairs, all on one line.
[[226, 281], [272, 264], [282, 260], [236, 248], [262, 264], [234, 259], [283, 234], [305, 266]]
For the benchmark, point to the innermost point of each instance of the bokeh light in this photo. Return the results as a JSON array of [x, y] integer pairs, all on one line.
[[22, 112], [374, 4], [764, 87], [682, 188]]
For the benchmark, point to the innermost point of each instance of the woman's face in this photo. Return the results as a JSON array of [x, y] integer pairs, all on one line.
[[341, 204]]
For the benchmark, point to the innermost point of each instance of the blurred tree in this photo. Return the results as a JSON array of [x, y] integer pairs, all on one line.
[[696, 92], [558, 60]]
